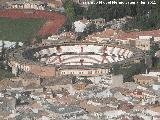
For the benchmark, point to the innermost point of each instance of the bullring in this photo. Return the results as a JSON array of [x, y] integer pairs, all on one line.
[[76, 58]]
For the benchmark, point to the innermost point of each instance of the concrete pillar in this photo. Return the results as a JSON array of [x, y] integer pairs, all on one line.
[[14, 71]]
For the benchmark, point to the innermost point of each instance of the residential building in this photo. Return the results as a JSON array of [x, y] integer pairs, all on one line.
[[145, 80], [37, 5], [53, 3], [144, 42], [100, 22], [81, 25]]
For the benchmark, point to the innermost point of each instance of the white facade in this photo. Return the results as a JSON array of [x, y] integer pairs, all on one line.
[[144, 42], [114, 113], [83, 72], [79, 26], [8, 44], [156, 86], [16, 66], [37, 5]]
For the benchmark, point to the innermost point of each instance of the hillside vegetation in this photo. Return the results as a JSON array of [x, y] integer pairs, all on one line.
[[145, 16]]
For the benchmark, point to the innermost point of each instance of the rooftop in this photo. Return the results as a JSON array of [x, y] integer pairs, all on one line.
[[143, 77], [155, 108], [118, 34]]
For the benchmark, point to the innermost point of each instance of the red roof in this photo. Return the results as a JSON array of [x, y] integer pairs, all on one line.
[[118, 34], [134, 35]]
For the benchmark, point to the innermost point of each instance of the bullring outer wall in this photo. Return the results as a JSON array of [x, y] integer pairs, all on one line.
[[19, 61]]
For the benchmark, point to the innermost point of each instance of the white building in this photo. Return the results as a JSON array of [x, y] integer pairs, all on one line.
[[37, 5], [81, 25], [156, 86], [144, 42]]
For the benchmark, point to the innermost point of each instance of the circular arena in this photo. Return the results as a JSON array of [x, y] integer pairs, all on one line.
[[79, 59]]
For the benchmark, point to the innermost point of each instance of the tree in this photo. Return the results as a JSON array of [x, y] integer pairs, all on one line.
[[154, 49], [90, 29], [17, 45], [3, 51], [129, 71], [38, 39], [79, 11], [116, 69], [155, 60], [138, 11], [68, 5]]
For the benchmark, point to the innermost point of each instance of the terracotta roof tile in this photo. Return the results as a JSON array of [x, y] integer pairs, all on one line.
[[118, 34]]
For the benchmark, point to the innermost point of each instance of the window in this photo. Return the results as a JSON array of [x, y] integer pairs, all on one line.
[[72, 72], [63, 73], [89, 72]]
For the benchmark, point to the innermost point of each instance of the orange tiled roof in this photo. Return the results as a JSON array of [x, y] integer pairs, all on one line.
[[134, 35], [118, 34], [142, 77]]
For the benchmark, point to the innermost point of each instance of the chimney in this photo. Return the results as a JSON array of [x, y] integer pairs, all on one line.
[[158, 78], [146, 71], [115, 32]]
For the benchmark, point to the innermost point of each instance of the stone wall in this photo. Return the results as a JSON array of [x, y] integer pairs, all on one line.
[[83, 72]]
